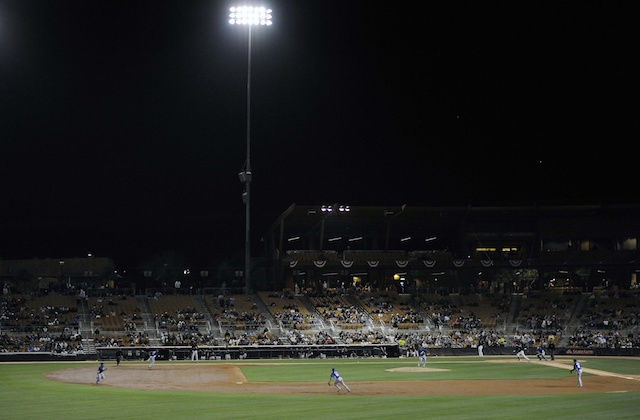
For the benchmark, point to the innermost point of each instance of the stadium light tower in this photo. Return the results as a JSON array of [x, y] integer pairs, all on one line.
[[248, 16]]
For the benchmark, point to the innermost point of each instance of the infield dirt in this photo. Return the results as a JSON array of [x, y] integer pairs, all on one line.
[[223, 378]]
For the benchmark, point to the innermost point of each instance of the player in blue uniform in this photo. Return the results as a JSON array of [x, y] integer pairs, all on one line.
[[101, 370], [422, 357], [152, 358], [577, 368], [338, 380], [540, 353]]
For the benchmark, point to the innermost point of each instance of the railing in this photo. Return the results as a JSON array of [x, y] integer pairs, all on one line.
[[291, 351], [231, 324]]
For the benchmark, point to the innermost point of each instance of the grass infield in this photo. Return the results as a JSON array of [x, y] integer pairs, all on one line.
[[25, 393]]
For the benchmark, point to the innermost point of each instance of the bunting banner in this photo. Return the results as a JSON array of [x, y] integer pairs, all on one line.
[[346, 264], [515, 263], [486, 263], [319, 263], [429, 263], [293, 263], [402, 264], [373, 264], [458, 263]]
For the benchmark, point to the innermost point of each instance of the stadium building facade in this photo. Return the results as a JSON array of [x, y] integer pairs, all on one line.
[[454, 249]]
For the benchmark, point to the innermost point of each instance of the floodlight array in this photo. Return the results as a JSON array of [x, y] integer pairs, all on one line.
[[249, 15]]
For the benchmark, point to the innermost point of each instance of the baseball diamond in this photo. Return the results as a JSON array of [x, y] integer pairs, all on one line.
[[229, 378]]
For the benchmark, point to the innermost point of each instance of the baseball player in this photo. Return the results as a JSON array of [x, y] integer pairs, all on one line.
[[152, 358], [540, 353], [338, 380], [577, 368], [422, 357], [101, 370], [520, 352], [194, 351]]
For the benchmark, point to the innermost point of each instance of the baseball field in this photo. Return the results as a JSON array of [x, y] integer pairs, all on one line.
[[449, 387]]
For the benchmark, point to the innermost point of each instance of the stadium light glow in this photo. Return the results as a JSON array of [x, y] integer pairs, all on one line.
[[249, 15]]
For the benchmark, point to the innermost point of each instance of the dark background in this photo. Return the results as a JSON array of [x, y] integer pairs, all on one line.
[[123, 123]]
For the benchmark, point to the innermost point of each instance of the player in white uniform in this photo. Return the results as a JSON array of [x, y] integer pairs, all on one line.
[[338, 380], [422, 357], [577, 368], [521, 353], [152, 358]]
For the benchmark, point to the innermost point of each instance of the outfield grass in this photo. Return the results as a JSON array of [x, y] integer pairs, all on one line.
[[26, 394]]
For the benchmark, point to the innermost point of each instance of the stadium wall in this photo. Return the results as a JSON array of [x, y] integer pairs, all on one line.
[[291, 352]]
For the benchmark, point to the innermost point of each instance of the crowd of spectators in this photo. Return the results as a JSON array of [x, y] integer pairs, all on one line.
[[233, 317], [468, 322], [188, 338], [20, 313], [287, 311], [291, 317], [609, 320], [264, 337], [611, 339], [460, 338], [363, 337], [186, 319], [297, 337], [42, 342], [341, 315], [36, 324], [130, 339], [617, 310], [334, 309]]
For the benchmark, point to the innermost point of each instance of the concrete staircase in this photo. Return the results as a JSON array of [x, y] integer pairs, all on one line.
[[149, 321], [574, 322], [84, 328], [202, 307]]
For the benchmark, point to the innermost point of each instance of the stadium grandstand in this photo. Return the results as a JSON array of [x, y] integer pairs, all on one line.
[[342, 281]]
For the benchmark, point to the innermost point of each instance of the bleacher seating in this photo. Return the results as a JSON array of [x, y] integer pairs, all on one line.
[[51, 322], [287, 309], [39, 323], [235, 312], [337, 310], [176, 313], [115, 313]]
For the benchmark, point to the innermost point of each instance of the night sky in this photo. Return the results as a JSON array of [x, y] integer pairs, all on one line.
[[123, 123]]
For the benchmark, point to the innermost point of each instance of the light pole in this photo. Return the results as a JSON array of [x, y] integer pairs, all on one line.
[[248, 16]]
